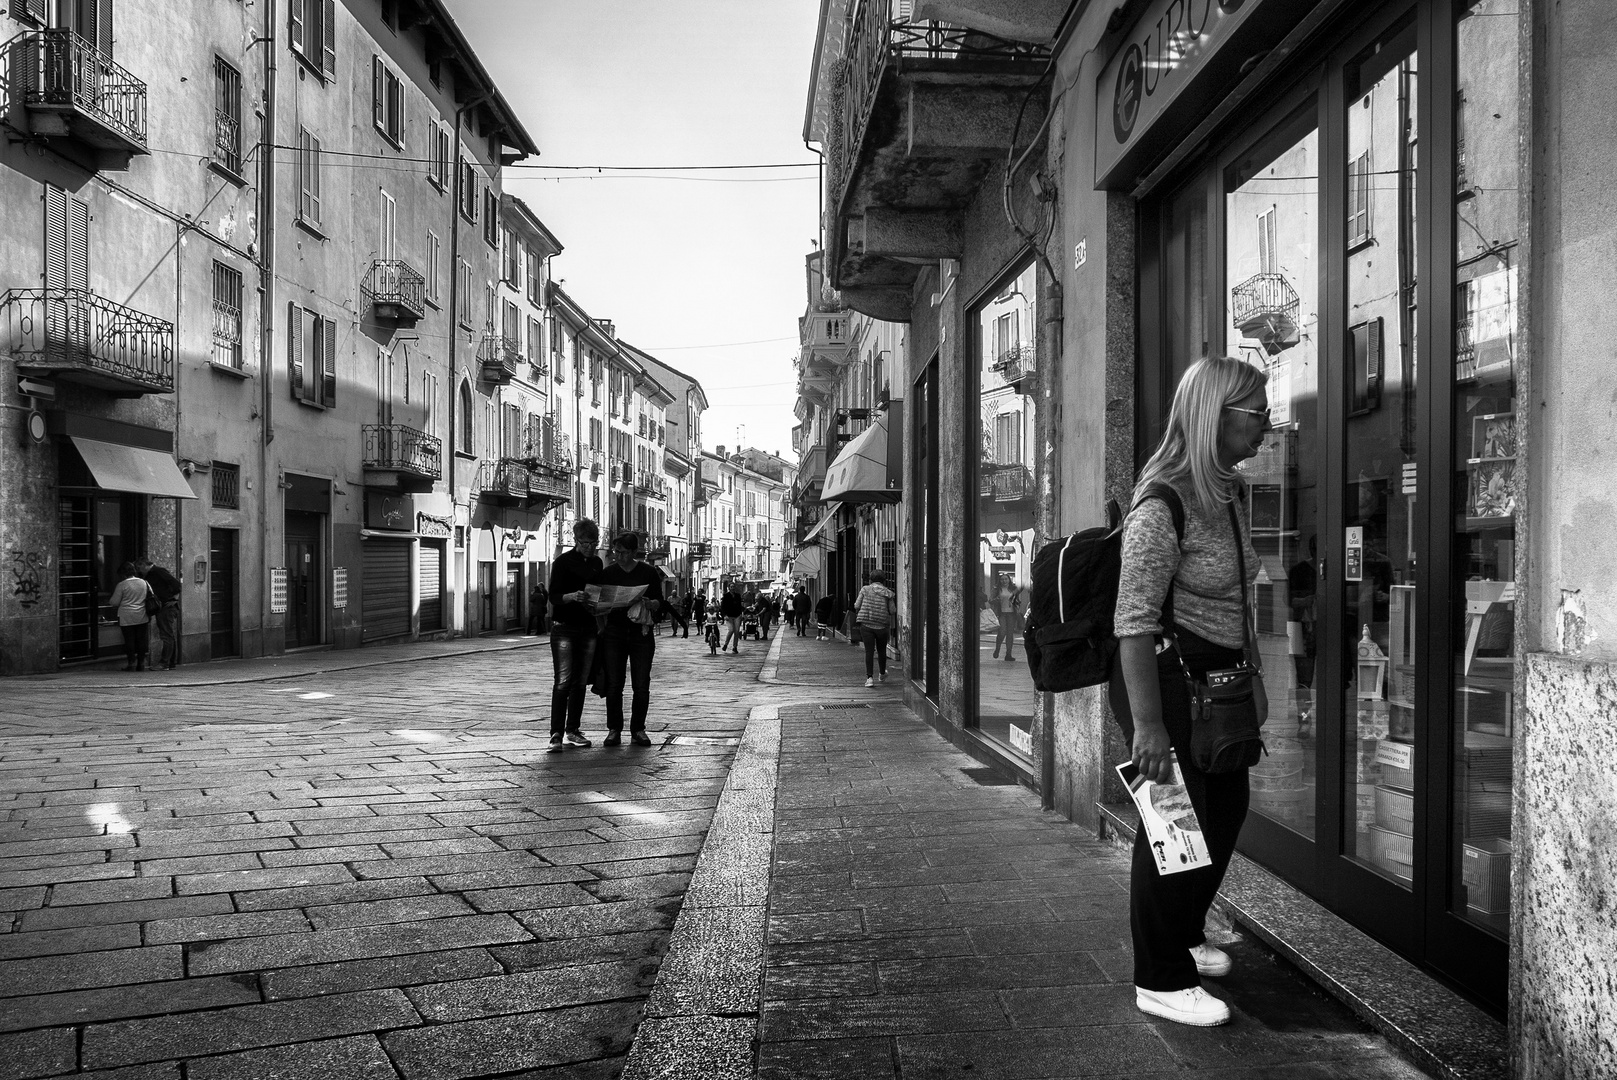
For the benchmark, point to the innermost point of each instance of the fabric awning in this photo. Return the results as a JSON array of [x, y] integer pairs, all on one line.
[[824, 523], [809, 562], [859, 474], [135, 469]]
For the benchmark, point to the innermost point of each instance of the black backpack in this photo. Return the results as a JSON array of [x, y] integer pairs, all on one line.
[[1068, 636]]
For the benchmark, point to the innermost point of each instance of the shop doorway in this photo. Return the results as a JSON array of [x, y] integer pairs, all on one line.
[[514, 594], [305, 592], [99, 531], [223, 592]]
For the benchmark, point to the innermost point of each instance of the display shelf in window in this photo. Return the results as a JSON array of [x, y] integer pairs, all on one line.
[[1491, 491]]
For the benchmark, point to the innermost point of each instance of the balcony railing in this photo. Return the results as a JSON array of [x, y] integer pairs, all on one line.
[[1017, 362], [56, 70], [1006, 483], [549, 485], [88, 339], [1263, 299], [499, 357], [596, 457], [396, 290], [556, 458], [879, 36], [412, 454], [505, 481]]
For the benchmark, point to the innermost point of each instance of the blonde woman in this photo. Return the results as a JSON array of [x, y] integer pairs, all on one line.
[[1218, 419]]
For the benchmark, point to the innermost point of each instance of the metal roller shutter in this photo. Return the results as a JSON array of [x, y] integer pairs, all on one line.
[[387, 589], [432, 584]]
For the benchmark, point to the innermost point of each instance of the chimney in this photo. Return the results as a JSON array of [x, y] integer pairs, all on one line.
[[721, 449]]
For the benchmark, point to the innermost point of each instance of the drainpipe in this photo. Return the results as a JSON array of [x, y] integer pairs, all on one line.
[[266, 306]]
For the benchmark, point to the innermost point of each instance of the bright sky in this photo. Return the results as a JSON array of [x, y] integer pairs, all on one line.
[[684, 267]]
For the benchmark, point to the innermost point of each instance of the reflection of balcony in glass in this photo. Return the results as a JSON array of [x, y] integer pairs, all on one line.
[[84, 338], [1264, 307], [1006, 483]]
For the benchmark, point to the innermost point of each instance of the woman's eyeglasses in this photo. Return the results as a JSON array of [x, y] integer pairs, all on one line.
[[1250, 412]]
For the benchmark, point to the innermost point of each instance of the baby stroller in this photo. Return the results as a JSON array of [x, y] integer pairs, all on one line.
[[710, 631], [750, 626]]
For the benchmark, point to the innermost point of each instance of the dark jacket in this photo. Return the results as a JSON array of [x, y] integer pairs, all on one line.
[[617, 623], [802, 604], [164, 584], [730, 606], [570, 574]]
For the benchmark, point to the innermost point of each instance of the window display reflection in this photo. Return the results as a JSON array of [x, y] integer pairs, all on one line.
[[1006, 328], [1272, 229], [1485, 434]]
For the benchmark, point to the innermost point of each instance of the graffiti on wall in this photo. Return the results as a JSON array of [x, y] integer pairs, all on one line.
[[28, 576]]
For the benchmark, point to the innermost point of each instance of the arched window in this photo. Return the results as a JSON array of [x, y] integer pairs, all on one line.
[[465, 431]]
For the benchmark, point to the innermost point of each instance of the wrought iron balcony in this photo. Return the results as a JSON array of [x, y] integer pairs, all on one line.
[[397, 292], [74, 334], [70, 89], [401, 457], [1016, 363], [1006, 483], [597, 459], [553, 456], [549, 487], [499, 357], [505, 482], [917, 112], [1265, 307]]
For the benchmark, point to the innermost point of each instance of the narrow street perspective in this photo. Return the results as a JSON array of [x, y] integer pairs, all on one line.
[[807, 539]]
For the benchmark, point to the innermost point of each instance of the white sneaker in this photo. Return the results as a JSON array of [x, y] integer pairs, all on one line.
[[1194, 1006], [882, 677], [1210, 960], [870, 682]]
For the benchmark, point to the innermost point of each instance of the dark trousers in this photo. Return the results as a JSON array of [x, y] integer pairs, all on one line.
[[763, 625], [536, 619], [628, 659], [678, 620], [802, 620], [137, 643], [875, 649], [1167, 911], [574, 656], [167, 623]]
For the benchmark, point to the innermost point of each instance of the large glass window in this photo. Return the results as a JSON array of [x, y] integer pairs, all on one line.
[[1005, 327], [1271, 212], [1486, 446]]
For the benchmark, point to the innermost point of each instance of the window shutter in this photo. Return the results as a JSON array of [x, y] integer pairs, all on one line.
[[294, 347], [378, 93], [328, 348], [103, 27], [55, 237], [328, 31], [78, 244], [1372, 362], [312, 176], [295, 31], [28, 10], [398, 112]]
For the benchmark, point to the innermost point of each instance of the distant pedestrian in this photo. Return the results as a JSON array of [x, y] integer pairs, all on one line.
[[802, 608], [730, 609], [538, 598], [768, 612], [874, 610], [127, 604], [679, 615], [627, 643], [167, 622], [825, 613], [699, 608], [572, 633]]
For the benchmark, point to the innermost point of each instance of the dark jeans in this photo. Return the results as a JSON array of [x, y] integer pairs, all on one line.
[[168, 634], [629, 657], [763, 626], [573, 655], [536, 619], [802, 620], [677, 620], [137, 643], [1166, 912], [1004, 632], [875, 649]]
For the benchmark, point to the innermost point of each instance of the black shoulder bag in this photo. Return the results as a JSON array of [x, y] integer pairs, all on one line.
[[1224, 722]]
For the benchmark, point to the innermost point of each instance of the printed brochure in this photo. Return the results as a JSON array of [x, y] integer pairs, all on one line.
[[1168, 819]]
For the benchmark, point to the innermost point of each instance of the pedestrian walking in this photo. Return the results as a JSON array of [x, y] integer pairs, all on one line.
[[1218, 419], [874, 610], [127, 604], [538, 599], [730, 609], [572, 634], [1005, 610], [167, 620], [627, 642], [802, 607], [768, 612], [679, 615], [699, 608], [825, 612]]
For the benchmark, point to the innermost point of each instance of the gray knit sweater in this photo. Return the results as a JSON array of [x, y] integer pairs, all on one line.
[[1206, 597]]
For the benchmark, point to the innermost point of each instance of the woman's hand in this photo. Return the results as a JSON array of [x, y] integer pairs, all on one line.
[[1152, 751]]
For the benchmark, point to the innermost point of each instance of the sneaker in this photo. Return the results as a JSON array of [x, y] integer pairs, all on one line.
[[882, 677], [573, 738], [555, 744], [870, 682], [1210, 960], [640, 738], [613, 738], [1194, 1006]]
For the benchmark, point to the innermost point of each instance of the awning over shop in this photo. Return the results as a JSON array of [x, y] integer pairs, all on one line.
[[824, 523], [860, 474], [809, 562], [134, 469]]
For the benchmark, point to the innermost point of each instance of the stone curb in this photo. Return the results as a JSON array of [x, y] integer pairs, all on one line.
[[701, 1020]]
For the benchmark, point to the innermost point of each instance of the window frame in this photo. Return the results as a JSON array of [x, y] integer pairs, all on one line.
[[312, 35], [227, 99], [387, 102], [228, 316]]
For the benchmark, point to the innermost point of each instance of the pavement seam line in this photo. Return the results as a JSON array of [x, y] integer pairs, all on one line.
[[769, 673], [700, 1020]]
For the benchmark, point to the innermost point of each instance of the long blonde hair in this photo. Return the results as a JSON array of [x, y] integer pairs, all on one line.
[[1189, 447]]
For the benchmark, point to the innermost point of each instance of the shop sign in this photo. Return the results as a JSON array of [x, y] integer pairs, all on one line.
[[516, 544], [278, 591], [1159, 58], [339, 587], [388, 511], [432, 527]]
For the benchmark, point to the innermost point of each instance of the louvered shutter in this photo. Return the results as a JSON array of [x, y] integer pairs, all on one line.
[[103, 27], [396, 90], [294, 348], [328, 32], [378, 95], [328, 382], [55, 237], [28, 10], [78, 244], [1372, 354], [295, 12]]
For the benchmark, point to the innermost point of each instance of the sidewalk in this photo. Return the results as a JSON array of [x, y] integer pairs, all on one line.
[[914, 916]]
